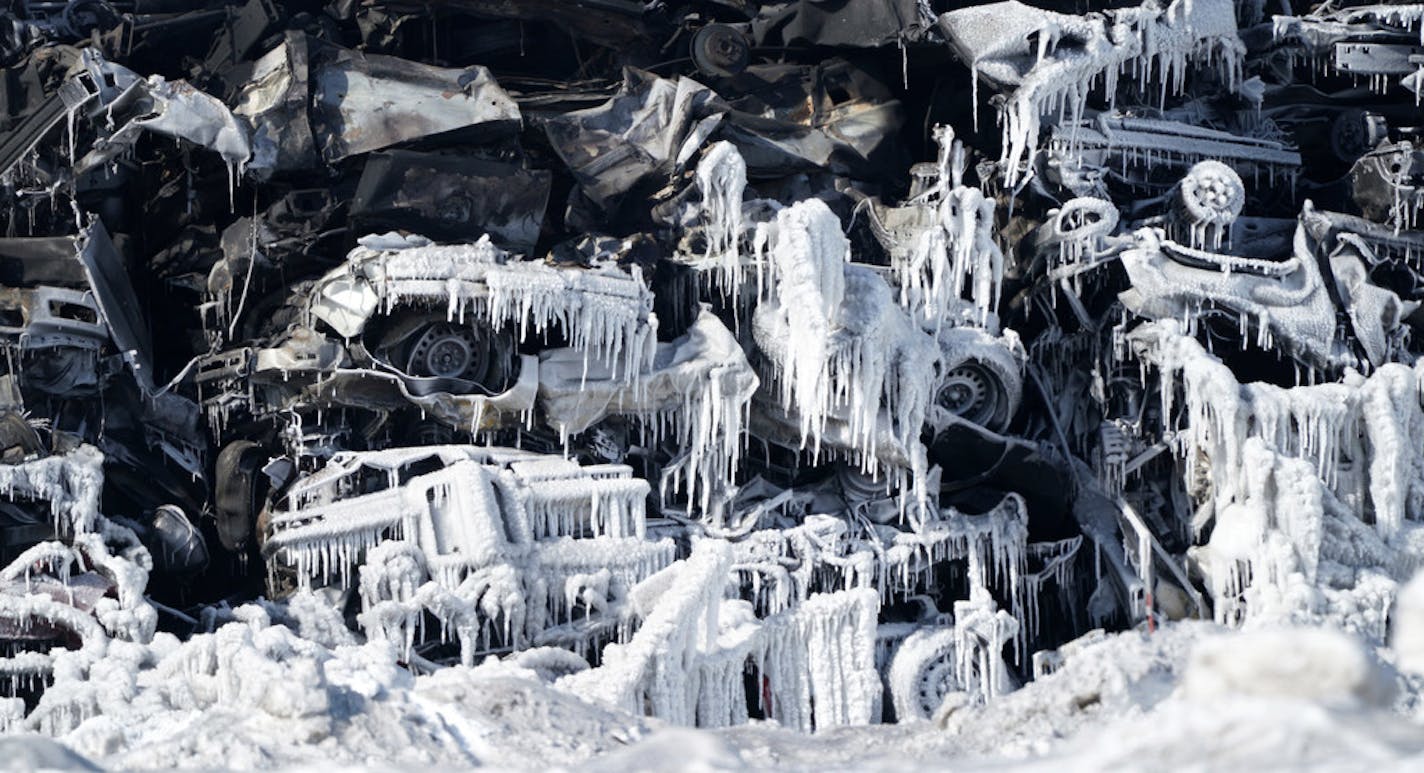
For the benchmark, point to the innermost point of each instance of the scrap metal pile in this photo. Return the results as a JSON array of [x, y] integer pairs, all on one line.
[[628, 342]]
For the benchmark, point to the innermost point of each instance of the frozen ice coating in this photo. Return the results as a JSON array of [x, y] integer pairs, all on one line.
[[952, 249], [722, 178], [839, 348], [70, 484], [696, 391], [624, 386], [685, 664], [606, 313], [1151, 45]]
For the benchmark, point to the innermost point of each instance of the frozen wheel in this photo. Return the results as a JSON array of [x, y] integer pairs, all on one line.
[[977, 393], [922, 673]]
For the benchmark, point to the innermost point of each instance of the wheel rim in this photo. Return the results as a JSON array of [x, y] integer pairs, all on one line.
[[971, 393], [447, 351], [936, 681]]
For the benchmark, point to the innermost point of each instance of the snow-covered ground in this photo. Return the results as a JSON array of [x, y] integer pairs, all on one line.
[[1190, 695]]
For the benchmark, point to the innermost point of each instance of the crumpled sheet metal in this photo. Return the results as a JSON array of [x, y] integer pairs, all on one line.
[[171, 108], [364, 102], [1286, 301], [652, 124], [574, 398], [690, 285], [274, 102], [306, 98]]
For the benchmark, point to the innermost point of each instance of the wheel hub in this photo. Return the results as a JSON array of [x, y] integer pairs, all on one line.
[[446, 351], [936, 682], [965, 393]]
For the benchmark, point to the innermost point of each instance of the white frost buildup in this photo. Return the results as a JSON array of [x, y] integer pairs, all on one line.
[[1290, 478], [696, 389], [686, 663], [840, 349], [500, 545], [1314, 664], [605, 312], [722, 178], [955, 246], [70, 483], [1148, 43]]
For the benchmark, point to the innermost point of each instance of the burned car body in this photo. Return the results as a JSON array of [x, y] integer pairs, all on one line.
[[627, 343]]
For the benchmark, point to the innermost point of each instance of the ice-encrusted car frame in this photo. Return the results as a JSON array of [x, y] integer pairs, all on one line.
[[880, 413], [503, 547]]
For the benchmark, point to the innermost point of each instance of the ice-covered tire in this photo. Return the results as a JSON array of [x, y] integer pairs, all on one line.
[[922, 673], [550, 663], [982, 382]]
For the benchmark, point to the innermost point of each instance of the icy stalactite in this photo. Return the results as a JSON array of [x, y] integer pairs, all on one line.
[[685, 665], [1144, 42], [44, 591], [1327, 424], [390, 577], [722, 179], [995, 545], [1268, 541], [484, 505], [604, 324], [331, 546], [710, 426], [808, 263], [651, 673], [606, 312], [955, 247], [981, 631], [1081, 228], [721, 672], [781, 568], [818, 662], [1393, 423], [498, 545], [840, 348], [568, 563], [1314, 37], [610, 507], [696, 390], [41, 612], [1280, 470], [70, 483], [1058, 560]]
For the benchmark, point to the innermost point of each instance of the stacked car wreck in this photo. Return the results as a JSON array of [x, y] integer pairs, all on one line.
[[628, 344]]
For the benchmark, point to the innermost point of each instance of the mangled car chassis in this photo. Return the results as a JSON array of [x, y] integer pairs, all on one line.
[[654, 365]]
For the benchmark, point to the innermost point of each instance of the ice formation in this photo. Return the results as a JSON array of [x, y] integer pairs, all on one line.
[[514, 432], [840, 348], [953, 248], [71, 484], [1276, 466], [686, 663], [1147, 44], [722, 178], [87, 590], [696, 389], [499, 545], [606, 313]]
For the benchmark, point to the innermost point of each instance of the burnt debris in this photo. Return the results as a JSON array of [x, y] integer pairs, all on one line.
[[503, 326]]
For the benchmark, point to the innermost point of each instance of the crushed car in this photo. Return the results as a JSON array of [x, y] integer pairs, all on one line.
[[717, 361]]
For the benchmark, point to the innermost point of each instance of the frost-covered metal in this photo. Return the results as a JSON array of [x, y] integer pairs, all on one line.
[[713, 361]]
